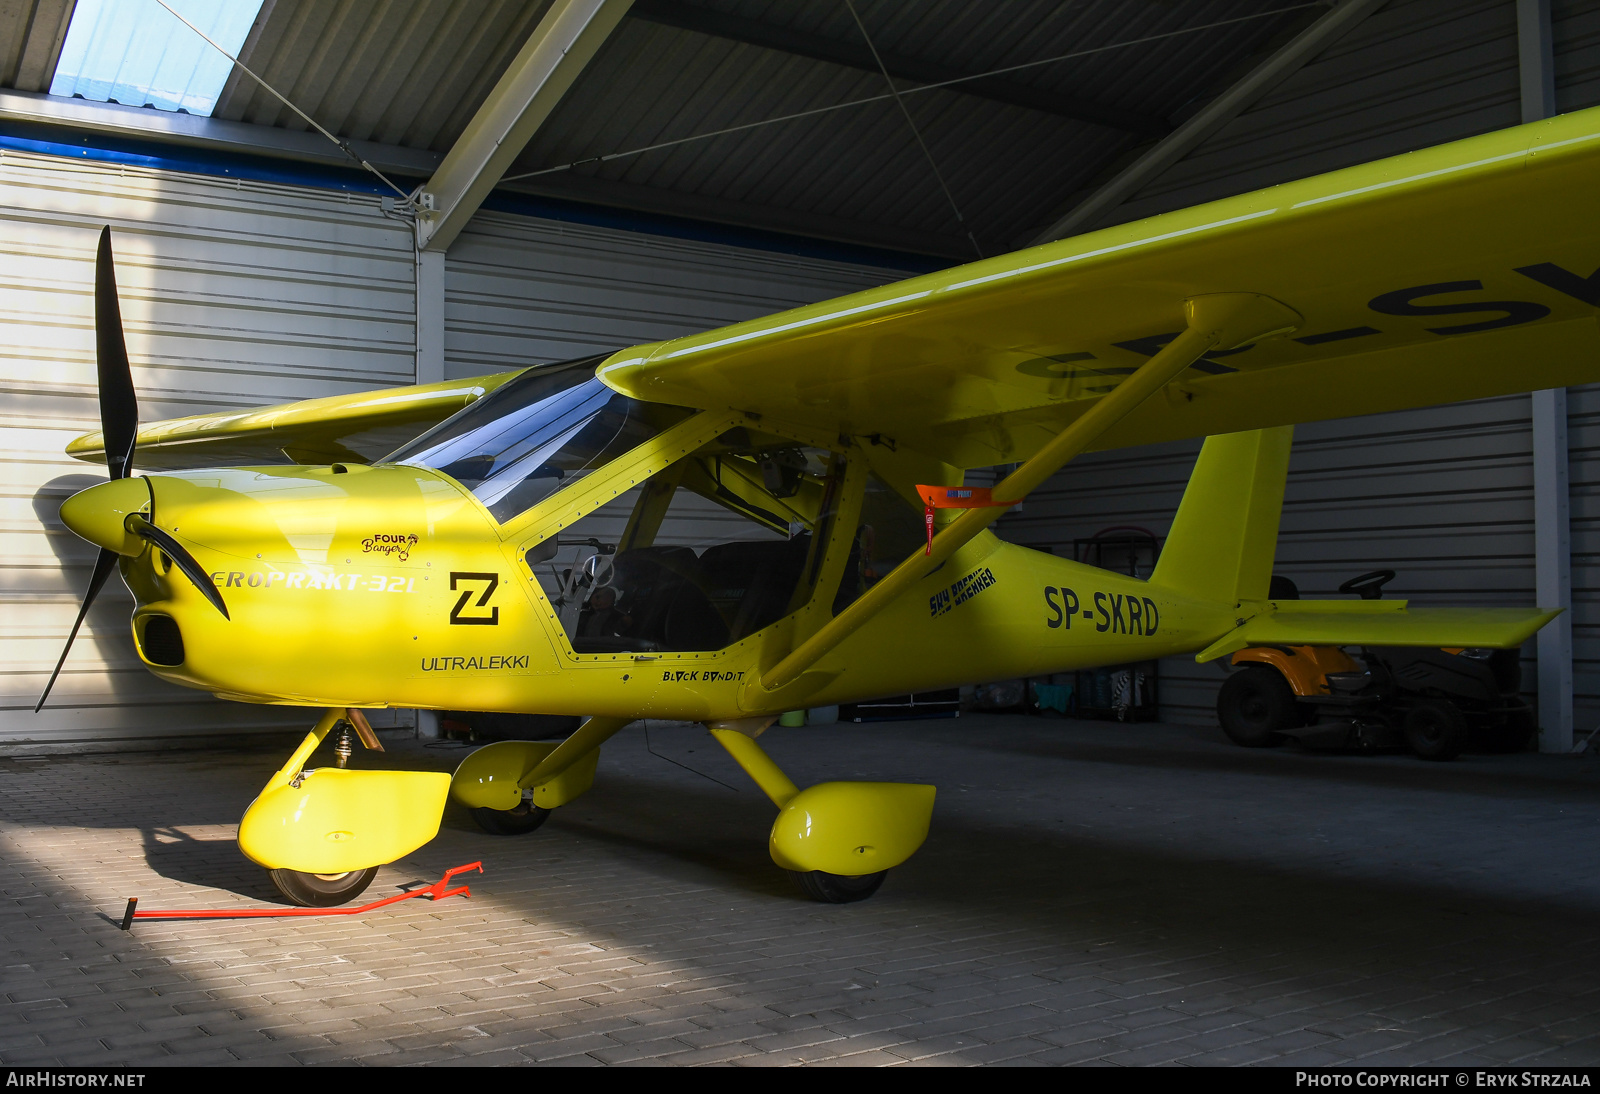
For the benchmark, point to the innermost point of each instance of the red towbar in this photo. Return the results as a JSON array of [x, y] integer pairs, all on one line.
[[437, 891]]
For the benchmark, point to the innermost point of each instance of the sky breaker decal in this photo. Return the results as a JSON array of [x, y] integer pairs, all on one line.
[[960, 592], [1112, 612]]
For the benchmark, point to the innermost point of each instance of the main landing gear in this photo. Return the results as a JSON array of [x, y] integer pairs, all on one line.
[[523, 818], [837, 840]]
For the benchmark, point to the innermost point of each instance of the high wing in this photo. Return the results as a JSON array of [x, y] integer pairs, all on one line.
[[1457, 272], [357, 428]]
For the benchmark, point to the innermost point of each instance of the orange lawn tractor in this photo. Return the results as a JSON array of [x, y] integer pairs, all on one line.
[[1434, 701]]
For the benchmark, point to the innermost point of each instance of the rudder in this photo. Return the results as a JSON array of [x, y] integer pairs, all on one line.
[[1223, 540]]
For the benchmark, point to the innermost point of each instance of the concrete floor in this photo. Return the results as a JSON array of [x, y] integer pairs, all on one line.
[[1090, 893]]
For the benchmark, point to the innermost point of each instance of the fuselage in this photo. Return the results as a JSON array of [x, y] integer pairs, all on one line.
[[394, 586]]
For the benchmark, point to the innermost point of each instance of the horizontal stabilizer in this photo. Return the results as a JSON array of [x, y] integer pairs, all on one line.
[[1323, 623]]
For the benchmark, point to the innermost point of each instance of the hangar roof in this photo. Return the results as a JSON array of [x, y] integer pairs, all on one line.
[[1016, 148]]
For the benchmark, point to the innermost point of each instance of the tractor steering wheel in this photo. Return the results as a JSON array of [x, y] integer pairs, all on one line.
[[1368, 586]]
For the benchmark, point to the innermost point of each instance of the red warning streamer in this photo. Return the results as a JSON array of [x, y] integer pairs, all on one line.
[[437, 891], [954, 497]]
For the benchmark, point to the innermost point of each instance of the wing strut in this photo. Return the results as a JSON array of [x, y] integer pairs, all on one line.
[[1215, 321]]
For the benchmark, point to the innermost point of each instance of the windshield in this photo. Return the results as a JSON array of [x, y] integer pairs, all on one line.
[[535, 434]]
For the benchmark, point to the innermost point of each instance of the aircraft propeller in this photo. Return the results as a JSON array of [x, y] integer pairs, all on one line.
[[119, 426]]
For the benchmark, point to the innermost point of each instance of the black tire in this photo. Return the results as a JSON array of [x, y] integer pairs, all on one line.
[[1435, 729], [511, 822], [837, 888], [1514, 733], [322, 890], [1254, 705]]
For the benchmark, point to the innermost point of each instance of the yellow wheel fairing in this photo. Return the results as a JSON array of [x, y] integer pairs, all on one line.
[[492, 777], [339, 820], [851, 828]]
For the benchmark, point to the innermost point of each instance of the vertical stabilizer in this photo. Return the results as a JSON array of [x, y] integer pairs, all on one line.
[[1225, 535]]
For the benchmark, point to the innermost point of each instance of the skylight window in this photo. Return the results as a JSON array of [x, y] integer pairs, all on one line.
[[135, 53]]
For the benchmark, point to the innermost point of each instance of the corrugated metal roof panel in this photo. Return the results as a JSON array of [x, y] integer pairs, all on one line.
[[1416, 73], [413, 73], [1007, 166], [407, 74], [31, 34]]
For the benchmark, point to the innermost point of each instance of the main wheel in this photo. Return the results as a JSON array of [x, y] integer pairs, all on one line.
[[837, 888], [1435, 729], [1254, 704], [322, 890], [511, 822], [1514, 733]]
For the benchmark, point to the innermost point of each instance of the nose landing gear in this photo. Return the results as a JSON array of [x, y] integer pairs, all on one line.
[[323, 833]]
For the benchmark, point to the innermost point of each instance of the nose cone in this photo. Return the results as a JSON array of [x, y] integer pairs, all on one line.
[[97, 514]]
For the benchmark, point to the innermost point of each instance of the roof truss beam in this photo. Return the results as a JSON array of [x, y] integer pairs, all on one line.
[[1282, 64], [558, 50], [755, 32]]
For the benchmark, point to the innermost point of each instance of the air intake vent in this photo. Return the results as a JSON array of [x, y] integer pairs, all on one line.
[[163, 642]]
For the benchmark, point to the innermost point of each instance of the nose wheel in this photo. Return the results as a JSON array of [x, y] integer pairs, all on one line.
[[322, 890]]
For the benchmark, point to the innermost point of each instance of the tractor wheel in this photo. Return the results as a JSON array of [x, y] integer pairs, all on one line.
[[1254, 705], [322, 890], [1435, 729], [837, 888], [1515, 731]]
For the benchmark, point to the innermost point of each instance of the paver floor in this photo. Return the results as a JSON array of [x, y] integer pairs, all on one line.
[[1089, 893]]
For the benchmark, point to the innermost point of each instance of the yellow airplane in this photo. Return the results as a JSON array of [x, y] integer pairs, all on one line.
[[726, 526]]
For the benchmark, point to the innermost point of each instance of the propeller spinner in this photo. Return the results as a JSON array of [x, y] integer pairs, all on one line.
[[107, 515]]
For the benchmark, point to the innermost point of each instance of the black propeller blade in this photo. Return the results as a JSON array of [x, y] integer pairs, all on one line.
[[119, 408], [119, 419], [103, 565], [180, 558]]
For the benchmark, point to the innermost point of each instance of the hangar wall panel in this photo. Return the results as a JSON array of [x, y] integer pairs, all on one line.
[[233, 294], [1443, 495], [520, 290]]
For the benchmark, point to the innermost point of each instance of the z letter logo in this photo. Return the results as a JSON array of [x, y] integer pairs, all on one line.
[[492, 581]]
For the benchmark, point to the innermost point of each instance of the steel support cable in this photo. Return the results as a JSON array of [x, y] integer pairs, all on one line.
[[927, 153], [608, 157], [309, 120]]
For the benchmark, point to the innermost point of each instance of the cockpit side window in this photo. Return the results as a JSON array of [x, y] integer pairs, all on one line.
[[537, 434], [720, 545]]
